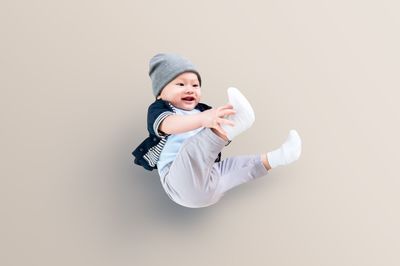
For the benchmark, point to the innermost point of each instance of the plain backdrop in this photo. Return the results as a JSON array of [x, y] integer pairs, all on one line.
[[74, 96]]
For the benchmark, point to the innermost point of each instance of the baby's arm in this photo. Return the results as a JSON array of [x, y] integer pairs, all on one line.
[[212, 118]]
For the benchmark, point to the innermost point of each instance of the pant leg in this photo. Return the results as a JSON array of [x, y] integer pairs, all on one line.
[[189, 181], [237, 170]]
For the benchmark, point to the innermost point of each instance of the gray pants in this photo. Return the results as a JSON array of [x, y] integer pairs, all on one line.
[[195, 180]]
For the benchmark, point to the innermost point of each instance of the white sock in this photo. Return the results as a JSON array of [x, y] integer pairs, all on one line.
[[244, 116], [289, 151]]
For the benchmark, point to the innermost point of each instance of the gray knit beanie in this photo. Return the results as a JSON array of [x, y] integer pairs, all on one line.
[[166, 67]]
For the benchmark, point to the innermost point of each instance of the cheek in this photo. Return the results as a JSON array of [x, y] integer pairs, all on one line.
[[167, 96]]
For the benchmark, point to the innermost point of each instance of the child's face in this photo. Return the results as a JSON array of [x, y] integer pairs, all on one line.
[[183, 92]]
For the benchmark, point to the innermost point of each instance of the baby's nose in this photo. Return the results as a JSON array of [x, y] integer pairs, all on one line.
[[189, 89]]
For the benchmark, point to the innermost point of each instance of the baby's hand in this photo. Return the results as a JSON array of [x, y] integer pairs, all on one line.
[[213, 118]]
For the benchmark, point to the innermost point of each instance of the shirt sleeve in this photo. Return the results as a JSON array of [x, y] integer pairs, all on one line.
[[157, 112]]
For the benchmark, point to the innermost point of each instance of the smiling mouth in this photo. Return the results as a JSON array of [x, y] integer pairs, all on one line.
[[188, 99]]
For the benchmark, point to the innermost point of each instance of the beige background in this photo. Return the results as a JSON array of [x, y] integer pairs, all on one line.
[[74, 95]]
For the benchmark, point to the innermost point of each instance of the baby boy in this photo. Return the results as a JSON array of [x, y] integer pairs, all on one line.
[[186, 137]]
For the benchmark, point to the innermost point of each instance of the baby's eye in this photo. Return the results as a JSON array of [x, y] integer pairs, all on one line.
[[180, 84], [195, 85]]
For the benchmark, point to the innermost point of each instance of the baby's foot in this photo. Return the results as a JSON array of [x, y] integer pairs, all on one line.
[[289, 151], [244, 116]]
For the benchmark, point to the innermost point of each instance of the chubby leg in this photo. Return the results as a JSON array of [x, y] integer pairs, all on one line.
[[237, 170], [234, 171], [265, 162], [219, 134], [188, 181]]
